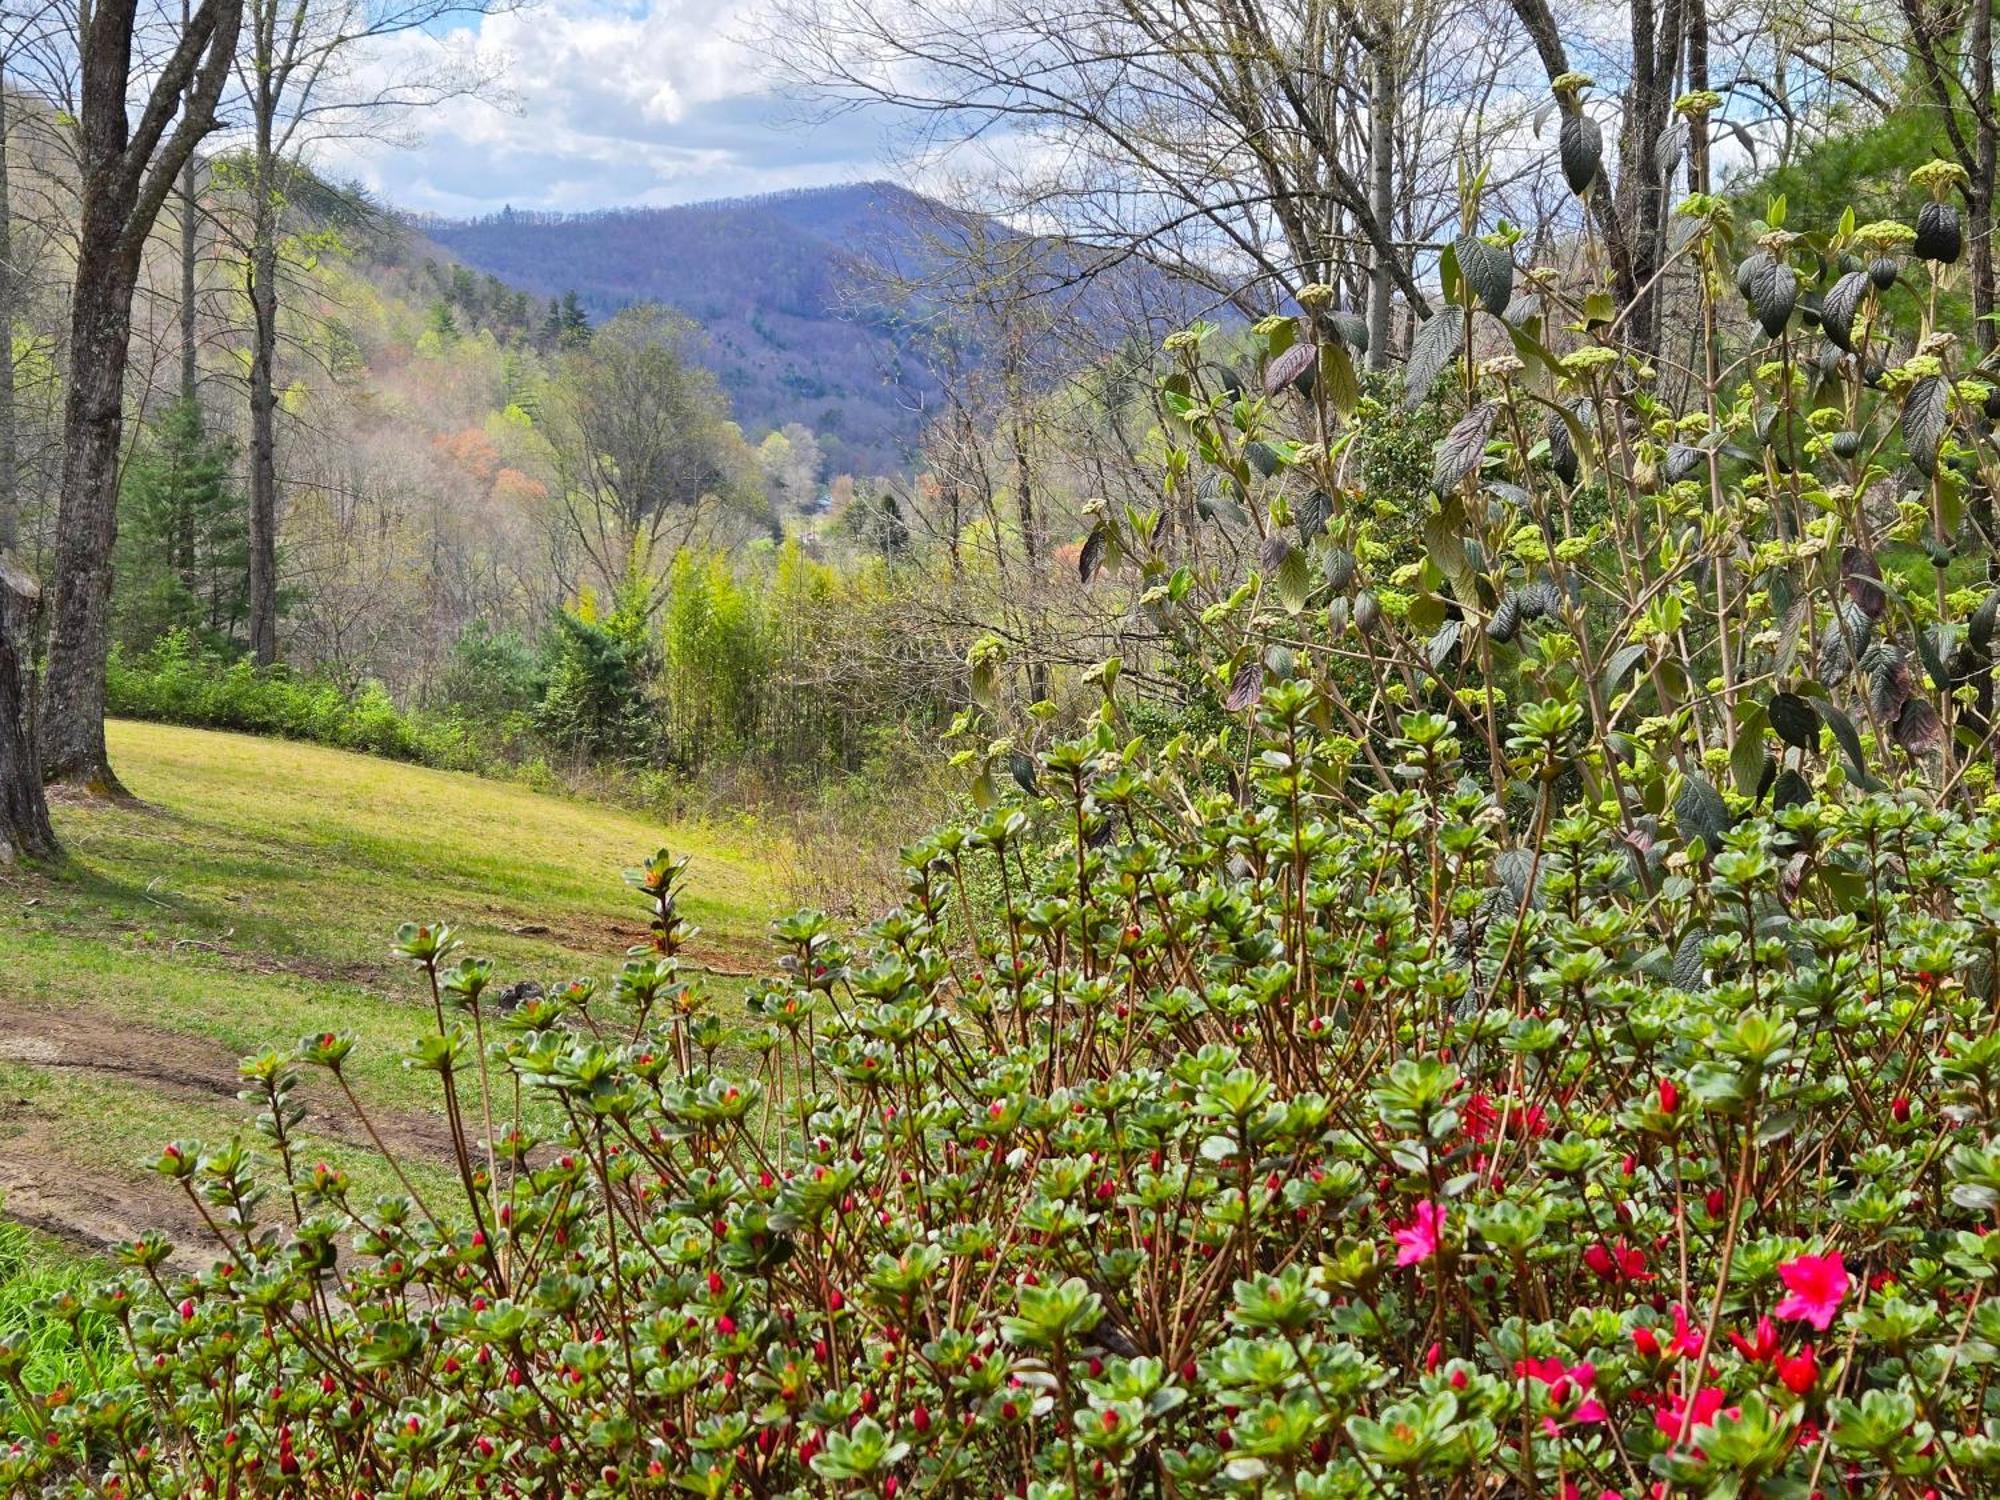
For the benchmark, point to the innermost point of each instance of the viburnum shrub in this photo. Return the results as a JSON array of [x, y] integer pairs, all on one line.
[[1236, 1149]]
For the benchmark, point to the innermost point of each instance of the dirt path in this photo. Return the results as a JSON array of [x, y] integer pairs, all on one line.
[[44, 1190]]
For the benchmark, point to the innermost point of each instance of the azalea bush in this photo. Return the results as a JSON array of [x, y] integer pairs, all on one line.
[[1238, 1148]]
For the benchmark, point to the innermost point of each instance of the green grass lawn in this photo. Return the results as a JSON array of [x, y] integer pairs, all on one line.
[[250, 898]]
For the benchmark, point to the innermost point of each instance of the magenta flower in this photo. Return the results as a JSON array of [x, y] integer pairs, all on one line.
[[1417, 1241], [1818, 1285]]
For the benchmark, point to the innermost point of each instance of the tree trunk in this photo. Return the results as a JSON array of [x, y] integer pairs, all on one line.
[[1985, 149], [1382, 164], [263, 414], [24, 812], [72, 718], [127, 165], [10, 440]]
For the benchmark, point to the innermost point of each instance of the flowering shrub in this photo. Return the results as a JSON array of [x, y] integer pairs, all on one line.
[[1238, 1150]]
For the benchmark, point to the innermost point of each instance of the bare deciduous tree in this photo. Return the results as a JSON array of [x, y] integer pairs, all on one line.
[[128, 167]]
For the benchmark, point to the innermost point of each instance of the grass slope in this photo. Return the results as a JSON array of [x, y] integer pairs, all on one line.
[[251, 898]]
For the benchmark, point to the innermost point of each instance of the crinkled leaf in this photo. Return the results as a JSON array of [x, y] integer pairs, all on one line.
[[1441, 645], [1244, 687], [1580, 146], [1336, 371], [1926, 409], [1861, 576], [1488, 272], [1919, 730], [1669, 146], [1295, 367], [1841, 303], [1430, 351], [1700, 812], [1092, 556], [1294, 580], [1461, 449], [1313, 513]]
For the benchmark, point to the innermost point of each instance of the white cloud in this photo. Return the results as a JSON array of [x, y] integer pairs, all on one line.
[[606, 105]]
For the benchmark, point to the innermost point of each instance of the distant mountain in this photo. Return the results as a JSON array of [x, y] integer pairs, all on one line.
[[779, 283], [789, 290]]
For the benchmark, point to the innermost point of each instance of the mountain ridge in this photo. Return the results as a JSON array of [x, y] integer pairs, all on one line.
[[780, 284]]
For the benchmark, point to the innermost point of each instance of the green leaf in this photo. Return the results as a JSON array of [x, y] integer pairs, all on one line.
[[1336, 373], [1796, 721], [1700, 812], [1926, 410], [1580, 147], [1430, 351], [1850, 744], [1460, 451], [1488, 272], [1294, 580]]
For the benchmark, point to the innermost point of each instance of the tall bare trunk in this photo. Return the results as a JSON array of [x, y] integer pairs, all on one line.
[[125, 175], [1985, 149], [24, 811], [263, 409], [10, 439], [1382, 165]]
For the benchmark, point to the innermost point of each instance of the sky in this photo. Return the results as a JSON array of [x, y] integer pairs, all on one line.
[[602, 105]]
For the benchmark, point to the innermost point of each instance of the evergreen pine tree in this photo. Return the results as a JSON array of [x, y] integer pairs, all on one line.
[[182, 558]]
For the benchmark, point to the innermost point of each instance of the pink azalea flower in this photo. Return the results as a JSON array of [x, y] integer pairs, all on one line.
[[1818, 1285], [1417, 1241], [1686, 1340], [1707, 1402]]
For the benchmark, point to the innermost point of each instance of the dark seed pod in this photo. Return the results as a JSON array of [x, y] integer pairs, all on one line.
[[1939, 236], [1882, 270], [1846, 444]]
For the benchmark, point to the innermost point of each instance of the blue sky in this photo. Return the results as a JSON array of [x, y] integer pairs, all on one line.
[[655, 103]]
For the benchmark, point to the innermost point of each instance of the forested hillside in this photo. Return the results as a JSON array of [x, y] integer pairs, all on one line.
[[799, 327]]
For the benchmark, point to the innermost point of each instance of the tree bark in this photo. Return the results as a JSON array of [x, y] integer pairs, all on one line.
[[1382, 164], [127, 167], [10, 439], [263, 527], [25, 831]]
